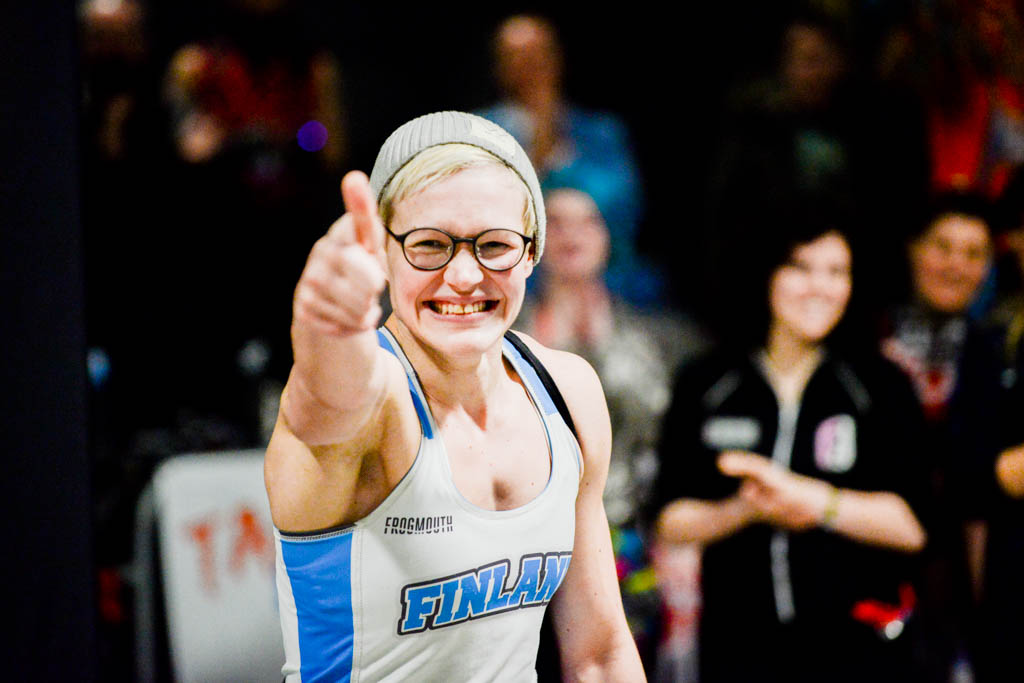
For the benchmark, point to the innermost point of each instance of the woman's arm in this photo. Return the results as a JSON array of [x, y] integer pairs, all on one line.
[[703, 521], [793, 501], [345, 398]]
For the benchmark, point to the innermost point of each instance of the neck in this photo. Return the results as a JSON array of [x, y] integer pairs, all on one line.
[[934, 314], [790, 363], [787, 353], [540, 97], [575, 292], [466, 383]]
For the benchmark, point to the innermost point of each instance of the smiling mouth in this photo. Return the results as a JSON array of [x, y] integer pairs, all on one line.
[[445, 308]]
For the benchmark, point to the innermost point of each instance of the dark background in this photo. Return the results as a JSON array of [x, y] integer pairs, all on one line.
[[48, 596]]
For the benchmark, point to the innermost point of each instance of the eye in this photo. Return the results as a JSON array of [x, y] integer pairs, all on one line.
[[428, 242], [497, 242], [494, 248], [436, 245], [977, 254], [798, 265]]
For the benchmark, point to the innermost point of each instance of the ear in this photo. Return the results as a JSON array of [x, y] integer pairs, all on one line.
[[529, 264]]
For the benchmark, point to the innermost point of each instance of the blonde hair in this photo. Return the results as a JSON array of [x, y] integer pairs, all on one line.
[[439, 162]]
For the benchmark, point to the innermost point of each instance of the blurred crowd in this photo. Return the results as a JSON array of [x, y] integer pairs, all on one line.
[[795, 259]]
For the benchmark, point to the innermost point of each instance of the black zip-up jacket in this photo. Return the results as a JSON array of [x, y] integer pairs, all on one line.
[[858, 426]]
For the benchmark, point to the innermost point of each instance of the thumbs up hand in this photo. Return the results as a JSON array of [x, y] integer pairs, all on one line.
[[339, 290]]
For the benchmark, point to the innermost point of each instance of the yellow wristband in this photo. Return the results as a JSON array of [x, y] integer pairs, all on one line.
[[828, 516]]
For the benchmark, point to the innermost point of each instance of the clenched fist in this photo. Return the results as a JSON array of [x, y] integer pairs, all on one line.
[[339, 291]]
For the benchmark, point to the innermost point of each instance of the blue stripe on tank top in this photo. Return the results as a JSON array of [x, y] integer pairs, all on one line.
[[417, 400], [321, 581], [529, 375]]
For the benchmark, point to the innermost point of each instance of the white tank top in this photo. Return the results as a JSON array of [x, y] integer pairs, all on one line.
[[428, 586]]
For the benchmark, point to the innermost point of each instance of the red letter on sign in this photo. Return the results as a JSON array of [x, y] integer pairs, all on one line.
[[202, 534], [250, 539]]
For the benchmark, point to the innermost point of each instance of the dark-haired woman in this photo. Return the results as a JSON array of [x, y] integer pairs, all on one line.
[[795, 467]]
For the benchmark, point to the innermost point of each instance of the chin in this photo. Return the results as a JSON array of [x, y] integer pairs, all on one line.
[[463, 343], [816, 334], [815, 338], [950, 305], [948, 299], [458, 336]]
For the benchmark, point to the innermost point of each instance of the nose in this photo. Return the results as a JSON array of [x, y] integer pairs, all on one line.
[[463, 272], [964, 259], [824, 282], [819, 280]]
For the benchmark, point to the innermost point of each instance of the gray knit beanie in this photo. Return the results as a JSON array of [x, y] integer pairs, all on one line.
[[446, 127]]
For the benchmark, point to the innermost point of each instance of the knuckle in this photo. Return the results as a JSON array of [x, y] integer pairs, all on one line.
[[315, 280], [307, 298]]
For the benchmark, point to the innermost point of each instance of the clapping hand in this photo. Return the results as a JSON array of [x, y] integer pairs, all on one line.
[[776, 495]]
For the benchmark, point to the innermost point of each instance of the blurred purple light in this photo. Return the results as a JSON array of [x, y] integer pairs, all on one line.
[[312, 136]]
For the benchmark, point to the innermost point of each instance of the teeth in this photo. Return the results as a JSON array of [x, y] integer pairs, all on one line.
[[459, 309]]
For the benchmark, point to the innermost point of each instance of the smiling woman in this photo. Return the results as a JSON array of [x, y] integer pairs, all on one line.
[[463, 306], [808, 295], [794, 466], [437, 416]]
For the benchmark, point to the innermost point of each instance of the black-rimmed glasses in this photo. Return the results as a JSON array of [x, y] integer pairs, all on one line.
[[432, 248]]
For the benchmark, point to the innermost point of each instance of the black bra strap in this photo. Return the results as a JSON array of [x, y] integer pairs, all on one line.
[[545, 378]]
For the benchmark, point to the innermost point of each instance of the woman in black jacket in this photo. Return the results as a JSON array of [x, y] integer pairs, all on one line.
[[795, 467]]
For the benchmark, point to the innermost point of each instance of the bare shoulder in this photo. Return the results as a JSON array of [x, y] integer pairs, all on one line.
[[575, 377], [580, 386]]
